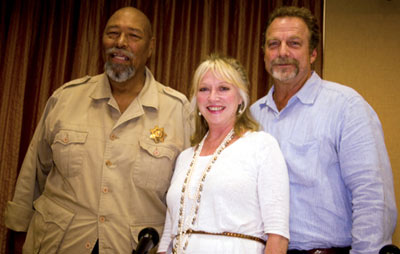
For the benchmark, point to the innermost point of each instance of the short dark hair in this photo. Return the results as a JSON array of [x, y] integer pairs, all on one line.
[[303, 13]]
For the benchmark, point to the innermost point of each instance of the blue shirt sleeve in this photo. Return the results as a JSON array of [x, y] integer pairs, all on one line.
[[367, 174]]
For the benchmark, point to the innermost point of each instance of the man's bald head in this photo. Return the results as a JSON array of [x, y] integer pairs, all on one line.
[[137, 14]]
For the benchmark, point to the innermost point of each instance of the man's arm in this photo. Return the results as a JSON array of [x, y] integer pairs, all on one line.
[[31, 180], [367, 174]]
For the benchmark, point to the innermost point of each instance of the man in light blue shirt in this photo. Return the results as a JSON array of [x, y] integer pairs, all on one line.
[[341, 185]]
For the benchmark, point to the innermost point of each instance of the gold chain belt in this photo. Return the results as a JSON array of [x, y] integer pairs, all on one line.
[[249, 237]]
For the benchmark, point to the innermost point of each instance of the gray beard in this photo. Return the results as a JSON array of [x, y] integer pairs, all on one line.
[[284, 75], [119, 73]]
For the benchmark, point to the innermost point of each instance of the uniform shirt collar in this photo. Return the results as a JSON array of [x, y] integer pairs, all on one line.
[[147, 96], [102, 89]]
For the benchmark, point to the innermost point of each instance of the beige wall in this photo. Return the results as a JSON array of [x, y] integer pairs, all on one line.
[[362, 50]]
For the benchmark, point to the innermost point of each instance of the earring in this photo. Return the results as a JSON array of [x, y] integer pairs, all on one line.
[[241, 109], [199, 113]]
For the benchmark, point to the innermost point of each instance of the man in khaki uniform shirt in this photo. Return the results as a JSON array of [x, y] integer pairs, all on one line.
[[101, 159]]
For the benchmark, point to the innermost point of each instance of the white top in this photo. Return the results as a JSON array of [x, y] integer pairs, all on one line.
[[246, 191]]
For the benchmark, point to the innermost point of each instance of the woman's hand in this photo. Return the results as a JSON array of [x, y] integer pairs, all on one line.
[[276, 244]]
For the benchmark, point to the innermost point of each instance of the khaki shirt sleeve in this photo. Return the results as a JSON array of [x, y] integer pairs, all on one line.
[[31, 179]]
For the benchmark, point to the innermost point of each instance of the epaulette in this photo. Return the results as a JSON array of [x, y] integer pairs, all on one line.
[[175, 93], [76, 82]]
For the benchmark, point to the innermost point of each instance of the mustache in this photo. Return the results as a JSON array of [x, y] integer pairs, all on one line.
[[117, 51], [284, 60]]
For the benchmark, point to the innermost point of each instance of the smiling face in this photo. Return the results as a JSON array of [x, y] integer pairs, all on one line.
[[287, 55], [127, 43], [218, 101]]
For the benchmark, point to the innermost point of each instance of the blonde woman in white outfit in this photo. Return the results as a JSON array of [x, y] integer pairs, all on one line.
[[230, 190]]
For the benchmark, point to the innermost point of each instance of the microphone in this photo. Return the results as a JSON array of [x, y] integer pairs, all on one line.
[[148, 238], [389, 249]]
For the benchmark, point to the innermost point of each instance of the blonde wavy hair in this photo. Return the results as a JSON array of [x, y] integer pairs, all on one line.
[[231, 71]]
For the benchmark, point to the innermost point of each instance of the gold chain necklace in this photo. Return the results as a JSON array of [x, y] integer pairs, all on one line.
[[182, 236]]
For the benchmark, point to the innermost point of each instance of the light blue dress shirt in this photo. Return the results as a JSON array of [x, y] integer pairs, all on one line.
[[341, 184]]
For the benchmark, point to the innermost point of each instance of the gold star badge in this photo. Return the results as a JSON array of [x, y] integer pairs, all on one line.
[[157, 134]]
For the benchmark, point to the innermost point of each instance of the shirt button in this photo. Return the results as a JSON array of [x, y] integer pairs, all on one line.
[[65, 140], [88, 245], [108, 163], [105, 190], [156, 152], [102, 219], [113, 137]]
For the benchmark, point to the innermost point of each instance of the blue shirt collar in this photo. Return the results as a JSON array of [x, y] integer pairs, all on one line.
[[306, 95]]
